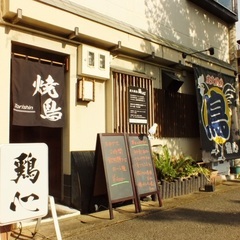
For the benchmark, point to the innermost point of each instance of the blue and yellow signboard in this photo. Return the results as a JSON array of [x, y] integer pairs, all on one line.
[[217, 107]]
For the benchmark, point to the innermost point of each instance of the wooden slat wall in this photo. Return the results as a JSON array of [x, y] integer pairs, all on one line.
[[176, 114], [121, 83]]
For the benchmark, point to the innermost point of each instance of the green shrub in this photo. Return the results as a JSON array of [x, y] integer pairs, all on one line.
[[171, 167]]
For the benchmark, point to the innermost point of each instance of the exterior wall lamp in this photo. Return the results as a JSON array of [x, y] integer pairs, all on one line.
[[86, 89], [211, 52]]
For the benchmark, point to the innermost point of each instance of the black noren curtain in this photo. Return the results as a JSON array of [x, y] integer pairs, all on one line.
[[37, 93]]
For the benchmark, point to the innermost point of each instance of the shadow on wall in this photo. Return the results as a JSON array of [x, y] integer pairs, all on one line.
[[174, 21], [176, 146]]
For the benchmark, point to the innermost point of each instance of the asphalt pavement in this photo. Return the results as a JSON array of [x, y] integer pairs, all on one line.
[[200, 215]]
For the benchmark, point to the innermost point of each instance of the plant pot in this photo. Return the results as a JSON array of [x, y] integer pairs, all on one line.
[[235, 170]]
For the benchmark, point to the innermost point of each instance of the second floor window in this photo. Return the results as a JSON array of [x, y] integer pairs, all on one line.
[[229, 4]]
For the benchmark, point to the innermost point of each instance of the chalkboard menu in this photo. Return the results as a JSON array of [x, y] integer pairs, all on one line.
[[117, 168], [124, 163], [143, 167]]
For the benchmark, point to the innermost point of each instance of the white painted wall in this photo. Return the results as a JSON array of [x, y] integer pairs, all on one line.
[[178, 146], [5, 86], [176, 20], [88, 119]]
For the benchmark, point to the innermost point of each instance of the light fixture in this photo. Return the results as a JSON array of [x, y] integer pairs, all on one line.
[[85, 89], [74, 33], [17, 17], [211, 52], [117, 47], [152, 56]]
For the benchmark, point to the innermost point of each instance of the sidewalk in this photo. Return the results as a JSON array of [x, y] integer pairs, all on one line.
[[81, 226]]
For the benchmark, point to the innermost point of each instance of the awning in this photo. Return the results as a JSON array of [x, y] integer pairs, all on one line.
[[171, 82]]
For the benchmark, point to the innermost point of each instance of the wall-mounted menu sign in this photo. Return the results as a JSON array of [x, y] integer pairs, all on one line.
[[125, 167], [138, 105], [143, 167]]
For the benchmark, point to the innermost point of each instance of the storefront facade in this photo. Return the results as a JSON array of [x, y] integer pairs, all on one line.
[[104, 55]]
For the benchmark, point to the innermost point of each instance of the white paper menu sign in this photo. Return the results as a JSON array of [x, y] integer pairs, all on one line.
[[23, 182]]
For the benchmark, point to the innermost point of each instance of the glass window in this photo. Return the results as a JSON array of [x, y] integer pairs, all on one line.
[[91, 59], [227, 4]]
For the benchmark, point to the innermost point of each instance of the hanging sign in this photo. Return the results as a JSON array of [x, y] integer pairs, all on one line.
[[37, 93], [217, 107]]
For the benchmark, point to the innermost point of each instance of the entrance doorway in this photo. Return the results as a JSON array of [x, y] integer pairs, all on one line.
[[52, 136]]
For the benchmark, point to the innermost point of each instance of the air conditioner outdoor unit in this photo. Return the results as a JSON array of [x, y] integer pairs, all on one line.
[[93, 62]]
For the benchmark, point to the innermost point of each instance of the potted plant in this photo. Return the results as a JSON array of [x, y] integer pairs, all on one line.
[[170, 167], [180, 171]]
